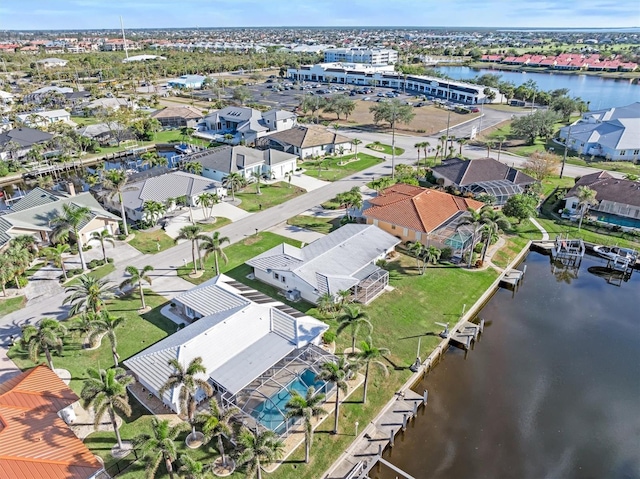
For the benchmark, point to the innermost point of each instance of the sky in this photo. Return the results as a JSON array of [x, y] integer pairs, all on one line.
[[89, 14]]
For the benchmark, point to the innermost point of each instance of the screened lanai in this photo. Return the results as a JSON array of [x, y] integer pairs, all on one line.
[[454, 234], [499, 189]]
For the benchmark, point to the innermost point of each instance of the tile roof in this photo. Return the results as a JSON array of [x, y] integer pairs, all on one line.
[[419, 209], [187, 111], [466, 172], [36, 443], [308, 136], [24, 136], [609, 188]]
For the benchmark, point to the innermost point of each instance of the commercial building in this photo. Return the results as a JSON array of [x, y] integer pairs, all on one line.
[[371, 56]]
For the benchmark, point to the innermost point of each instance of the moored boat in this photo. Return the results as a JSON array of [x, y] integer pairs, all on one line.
[[616, 253]]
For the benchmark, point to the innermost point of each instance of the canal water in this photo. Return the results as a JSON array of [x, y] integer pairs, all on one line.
[[601, 92], [552, 390]]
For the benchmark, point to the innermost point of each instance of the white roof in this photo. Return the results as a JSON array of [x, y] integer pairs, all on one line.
[[140, 58]]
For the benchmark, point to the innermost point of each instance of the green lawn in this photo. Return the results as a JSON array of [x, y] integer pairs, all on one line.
[[9, 305], [336, 168], [98, 273], [220, 222], [147, 241], [386, 149], [270, 195], [515, 240], [314, 223], [85, 120]]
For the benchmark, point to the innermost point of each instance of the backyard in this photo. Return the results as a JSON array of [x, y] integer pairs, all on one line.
[[272, 194], [336, 168]]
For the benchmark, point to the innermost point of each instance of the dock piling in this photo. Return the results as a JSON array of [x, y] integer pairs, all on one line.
[[425, 396]]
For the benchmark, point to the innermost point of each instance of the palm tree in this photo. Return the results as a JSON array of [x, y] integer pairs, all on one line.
[[105, 325], [6, 272], [473, 220], [116, 182], [194, 234], [208, 200], [417, 250], [193, 167], [69, 221], [494, 221], [352, 316], [289, 176], [418, 147], [431, 255], [106, 391], [103, 236], [258, 177], [326, 303], [41, 339], [90, 294], [355, 142], [233, 181], [191, 468], [461, 143], [215, 424], [337, 373], [306, 407], [137, 277], [586, 198], [153, 211], [368, 355], [55, 255], [160, 445], [188, 380], [213, 244], [257, 449], [426, 145]]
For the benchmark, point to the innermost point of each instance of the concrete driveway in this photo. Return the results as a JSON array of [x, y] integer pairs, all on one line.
[[309, 183], [224, 209]]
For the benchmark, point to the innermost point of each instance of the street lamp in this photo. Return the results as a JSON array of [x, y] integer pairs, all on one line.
[[566, 146]]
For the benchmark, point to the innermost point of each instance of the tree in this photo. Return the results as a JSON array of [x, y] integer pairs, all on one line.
[[355, 142], [194, 234], [43, 338], [564, 106], [116, 182], [187, 380], [233, 181], [55, 254], [418, 147], [208, 200], [160, 446], [474, 221], [461, 143], [191, 468], [586, 198], [137, 278], [353, 317], [350, 199], [368, 355], [6, 272], [103, 236], [538, 124], [69, 221], [306, 408], [242, 94], [337, 373], [257, 176], [106, 391], [213, 245], [193, 167], [258, 448], [381, 184], [313, 104], [541, 165], [417, 249], [89, 294], [520, 206], [152, 211], [392, 112], [431, 255], [105, 324], [215, 424], [494, 221]]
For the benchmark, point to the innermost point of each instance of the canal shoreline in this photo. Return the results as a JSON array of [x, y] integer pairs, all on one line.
[[630, 76]]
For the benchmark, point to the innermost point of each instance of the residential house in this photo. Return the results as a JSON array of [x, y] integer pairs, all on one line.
[[142, 58], [432, 217], [342, 260], [104, 105], [178, 116], [160, 188], [45, 118], [482, 176], [17, 142], [307, 141], [52, 62], [190, 82], [618, 200], [251, 347], [6, 100], [613, 133], [32, 215], [104, 134], [218, 162], [36, 441], [41, 94]]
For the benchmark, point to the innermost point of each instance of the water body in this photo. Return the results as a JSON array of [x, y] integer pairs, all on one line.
[[601, 92], [551, 391]]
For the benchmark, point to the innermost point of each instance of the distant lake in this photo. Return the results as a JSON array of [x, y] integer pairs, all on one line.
[[601, 92]]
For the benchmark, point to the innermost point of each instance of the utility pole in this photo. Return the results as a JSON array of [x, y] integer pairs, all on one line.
[[124, 40], [566, 146]]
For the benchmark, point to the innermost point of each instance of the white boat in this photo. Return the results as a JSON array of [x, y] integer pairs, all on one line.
[[616, 253]]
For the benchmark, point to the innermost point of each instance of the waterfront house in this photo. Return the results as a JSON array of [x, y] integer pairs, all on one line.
[[429, 216], [252, 346], [36, 440], [482, 176], [38, 96], [45, 118], [17, 142], [178, 116], [307, 141], [342, 260]]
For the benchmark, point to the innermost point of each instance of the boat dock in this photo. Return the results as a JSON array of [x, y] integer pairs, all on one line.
[[466, 333], [513, 277]]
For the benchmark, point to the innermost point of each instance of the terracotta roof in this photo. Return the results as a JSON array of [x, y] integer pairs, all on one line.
[[419, 209], [309, 136], [36, 442]]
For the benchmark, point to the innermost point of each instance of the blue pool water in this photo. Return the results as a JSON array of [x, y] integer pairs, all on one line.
[[618, 220], [270, 412]]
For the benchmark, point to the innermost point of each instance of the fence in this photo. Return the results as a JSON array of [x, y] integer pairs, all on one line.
[[123, 464]]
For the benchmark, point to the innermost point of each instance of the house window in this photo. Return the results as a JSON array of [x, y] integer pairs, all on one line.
[[574, 205], [636, 152], [405, 231], [623, 152], [276, 275], [283, 278], [393, 227]]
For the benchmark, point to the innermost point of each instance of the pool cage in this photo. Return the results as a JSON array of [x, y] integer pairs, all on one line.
[[262, 402], [501, 190], [453, 234], [373, 281]]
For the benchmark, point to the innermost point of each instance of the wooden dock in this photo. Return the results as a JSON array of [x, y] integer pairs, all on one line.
[[466, 333]]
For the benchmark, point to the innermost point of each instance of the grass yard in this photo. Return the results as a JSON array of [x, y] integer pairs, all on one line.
[[85, 120], [336, 168], [515, 239], [314, 223], [9, 305], [147, 241], [386, 149], [220, 222], [271, 195], [98, 273]]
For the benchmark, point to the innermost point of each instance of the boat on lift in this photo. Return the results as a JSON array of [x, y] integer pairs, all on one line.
[[616, 253]]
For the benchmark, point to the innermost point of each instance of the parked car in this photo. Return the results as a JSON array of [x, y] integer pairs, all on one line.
[[366, 98], [381, 94]]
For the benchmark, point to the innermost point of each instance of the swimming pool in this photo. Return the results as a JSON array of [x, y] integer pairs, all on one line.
[[618, 220], [271, 412]]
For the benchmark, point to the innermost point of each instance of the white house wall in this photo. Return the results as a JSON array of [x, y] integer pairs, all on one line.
[[291, 281]]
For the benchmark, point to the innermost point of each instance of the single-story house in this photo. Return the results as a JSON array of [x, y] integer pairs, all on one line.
[[52, 62], [613, 133], [193, 82], [44, 118], [343, 260], [618, 200], [252, 346], [307, 141], [432, 217], [17, 142], [178, 116], [36, 440], [32, 214], [6, 99], [142, 58], [218, 162], [40, 94], [102, 105], [482, 176], [160, 188], [245, 124], [104, 134]]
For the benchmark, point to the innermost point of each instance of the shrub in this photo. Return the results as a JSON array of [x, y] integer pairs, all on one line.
[[92, 264], [478, 247], [446, 254], [329, 337], [87, 247], [76, 271], [22, 281], [110, 260], [121, 237]]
